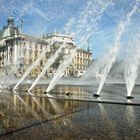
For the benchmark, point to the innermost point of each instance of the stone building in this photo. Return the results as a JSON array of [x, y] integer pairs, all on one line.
[[20, 51], [79, 62]]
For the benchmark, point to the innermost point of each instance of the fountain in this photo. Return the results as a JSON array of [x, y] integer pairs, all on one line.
[[131, 67], [50, 61], [62, 68], [88, 22], [81, 33], [30, 69], [113, 53]]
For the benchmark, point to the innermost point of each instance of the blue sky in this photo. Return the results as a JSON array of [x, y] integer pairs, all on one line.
[[97, 19]]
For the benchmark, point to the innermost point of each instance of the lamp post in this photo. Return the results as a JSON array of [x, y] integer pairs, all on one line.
[[21, 24], [88, 41]]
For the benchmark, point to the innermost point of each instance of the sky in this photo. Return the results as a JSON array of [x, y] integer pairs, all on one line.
[[93, 20]]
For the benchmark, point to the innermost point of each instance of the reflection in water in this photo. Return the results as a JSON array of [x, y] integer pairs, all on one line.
[[63, 89], [110, 126], [55, 106], [130, 115], [18, 111], [73, 92], [42, 108], [66, 92], [7, 111], [23, 111], [28, 107]]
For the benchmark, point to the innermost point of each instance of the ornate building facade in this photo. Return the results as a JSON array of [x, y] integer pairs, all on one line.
[[21, 51]]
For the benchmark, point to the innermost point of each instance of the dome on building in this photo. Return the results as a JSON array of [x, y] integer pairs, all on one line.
[[10, 21], [10, 18], [9, 30]]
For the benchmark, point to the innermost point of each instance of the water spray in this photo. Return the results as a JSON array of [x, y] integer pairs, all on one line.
[[31, 68], [50, 61], [113, 53]]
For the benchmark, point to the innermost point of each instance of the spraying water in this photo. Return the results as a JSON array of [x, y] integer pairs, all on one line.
[[47, 65], [131, 69], [113, 53], [62, 68], [30, 69], [87, 23], [85, 27]]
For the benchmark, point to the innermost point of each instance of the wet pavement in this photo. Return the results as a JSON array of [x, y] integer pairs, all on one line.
[[69, 117]]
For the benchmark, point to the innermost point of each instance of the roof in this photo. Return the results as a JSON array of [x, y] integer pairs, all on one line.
[[49, 35], [9, 30], [34, 39], [6, 32], [84, 51]]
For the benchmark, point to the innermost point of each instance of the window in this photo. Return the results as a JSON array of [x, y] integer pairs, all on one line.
[[35, 46], [41, 63], [35, 53], [24, 44], [41, 47]]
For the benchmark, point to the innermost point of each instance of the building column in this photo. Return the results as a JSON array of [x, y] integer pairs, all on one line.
[[8, 55], [15, 53]]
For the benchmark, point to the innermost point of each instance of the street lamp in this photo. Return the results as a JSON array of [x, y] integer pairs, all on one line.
[[88, 49], [21, 24]]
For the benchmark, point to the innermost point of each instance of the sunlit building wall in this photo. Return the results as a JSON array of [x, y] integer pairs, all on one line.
[[21, 51]]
